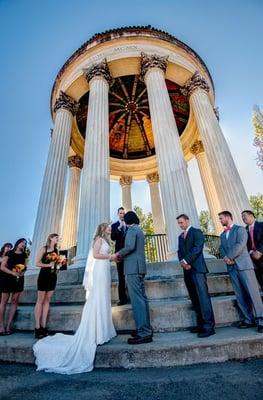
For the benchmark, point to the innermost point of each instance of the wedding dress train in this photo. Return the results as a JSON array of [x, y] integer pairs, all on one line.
[[72, 354]]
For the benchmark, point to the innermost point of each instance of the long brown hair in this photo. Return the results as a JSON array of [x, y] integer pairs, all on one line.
[[48, 242], [100, 232]]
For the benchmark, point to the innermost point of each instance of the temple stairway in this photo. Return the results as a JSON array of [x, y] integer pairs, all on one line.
[[171, 316]]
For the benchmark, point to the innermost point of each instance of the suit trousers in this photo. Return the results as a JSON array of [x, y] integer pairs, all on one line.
[[121, 286], [139, 302], [247, 293], [196, 285], [259, 271]]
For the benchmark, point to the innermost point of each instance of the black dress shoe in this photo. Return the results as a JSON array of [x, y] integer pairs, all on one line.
[[133, 334], [196, 329], [260, 329], [205, 334], [140, 340], [121, 303], [245, 325]]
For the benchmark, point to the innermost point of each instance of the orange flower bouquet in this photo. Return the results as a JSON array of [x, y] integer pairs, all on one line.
[[56, 261], [19, 268]]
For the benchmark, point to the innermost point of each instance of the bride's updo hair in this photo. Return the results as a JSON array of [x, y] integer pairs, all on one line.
[[100, 232]]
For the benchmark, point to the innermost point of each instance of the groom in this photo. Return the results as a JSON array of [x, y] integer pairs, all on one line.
[[135, 270]]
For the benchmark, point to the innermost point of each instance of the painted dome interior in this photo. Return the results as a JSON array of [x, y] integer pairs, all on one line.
[[130, 130]]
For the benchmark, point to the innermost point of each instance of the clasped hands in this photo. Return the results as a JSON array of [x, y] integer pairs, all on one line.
[[184, 265], [115, 257], [256, 255], [228, 260]]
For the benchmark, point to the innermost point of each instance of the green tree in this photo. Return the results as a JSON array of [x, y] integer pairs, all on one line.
[[146, 220], [205, 222], [256, 202], [257, 120]]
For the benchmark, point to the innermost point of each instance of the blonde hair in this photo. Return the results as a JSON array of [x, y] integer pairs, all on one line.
[[100, 232], [48, 242]]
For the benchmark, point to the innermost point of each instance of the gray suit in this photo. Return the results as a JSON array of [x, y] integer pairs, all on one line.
[[135, 270], [242, 274]]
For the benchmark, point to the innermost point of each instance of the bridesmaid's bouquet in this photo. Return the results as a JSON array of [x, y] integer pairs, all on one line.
[[56, 261], [19, 268]]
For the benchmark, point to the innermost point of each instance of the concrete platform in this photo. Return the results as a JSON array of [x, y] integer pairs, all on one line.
[[166, 315], [167, 349]]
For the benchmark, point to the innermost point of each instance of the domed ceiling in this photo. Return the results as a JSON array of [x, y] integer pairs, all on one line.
[[131, 135]]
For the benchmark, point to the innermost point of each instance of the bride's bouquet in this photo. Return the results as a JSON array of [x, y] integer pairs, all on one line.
[[56, 261]]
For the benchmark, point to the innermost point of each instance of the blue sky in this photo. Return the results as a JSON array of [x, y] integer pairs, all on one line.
[[36, 39]]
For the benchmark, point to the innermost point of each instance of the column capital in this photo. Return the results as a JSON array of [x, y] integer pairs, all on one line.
[[75, 161], [216, 110], [66, 102], [125, 180], [153, 178], [99, 70], [194, 83], [149, 61], [197, 147]]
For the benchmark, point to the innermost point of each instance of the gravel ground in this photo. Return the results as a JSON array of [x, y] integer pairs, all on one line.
[[228, 381]]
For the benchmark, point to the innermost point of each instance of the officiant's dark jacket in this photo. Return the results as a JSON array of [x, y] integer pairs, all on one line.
[[191, 249], [118, 236]]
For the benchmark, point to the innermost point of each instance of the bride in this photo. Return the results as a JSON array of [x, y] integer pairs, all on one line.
[[72, 354]]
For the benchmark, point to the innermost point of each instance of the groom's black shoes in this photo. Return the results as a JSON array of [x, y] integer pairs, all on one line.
[[140, 339], [204, 334]]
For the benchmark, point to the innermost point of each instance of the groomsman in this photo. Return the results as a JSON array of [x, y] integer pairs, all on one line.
[[118, 232], [190, 254], [255, 242], [233, 249]]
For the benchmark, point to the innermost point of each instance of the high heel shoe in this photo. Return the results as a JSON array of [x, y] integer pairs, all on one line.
[[38, 333]]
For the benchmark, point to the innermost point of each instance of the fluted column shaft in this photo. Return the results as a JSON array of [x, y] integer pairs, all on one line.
[[208, 185], [126, 182], [157, 212], [69, 231], [232, 195], [95, 187], [175, 185], [50, 208]]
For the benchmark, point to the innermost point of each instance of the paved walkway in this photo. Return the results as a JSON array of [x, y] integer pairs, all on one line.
[[225, 381]]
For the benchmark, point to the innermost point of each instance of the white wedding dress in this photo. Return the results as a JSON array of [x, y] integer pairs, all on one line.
[[72, 354]]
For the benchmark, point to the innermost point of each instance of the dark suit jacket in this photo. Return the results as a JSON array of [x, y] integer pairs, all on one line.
[[118, 236], [191, 249], [258, 240]]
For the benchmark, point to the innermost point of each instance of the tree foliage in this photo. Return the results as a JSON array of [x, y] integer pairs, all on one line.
[[146, 220], [257, 120], [256, 202], [206, 222]]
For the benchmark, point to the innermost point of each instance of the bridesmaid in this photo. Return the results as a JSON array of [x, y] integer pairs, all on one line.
[[12, 282], [3, 252], [46, 283]]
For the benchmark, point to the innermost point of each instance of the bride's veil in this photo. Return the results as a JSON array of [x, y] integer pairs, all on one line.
[[88, 274]]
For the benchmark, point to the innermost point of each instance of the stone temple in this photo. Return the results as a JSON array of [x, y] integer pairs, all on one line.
[[135, 103]]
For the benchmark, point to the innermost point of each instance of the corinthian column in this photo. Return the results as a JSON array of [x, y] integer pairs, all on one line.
[[95, 187], [232, 195], [69, 231], [175, 185], [51, 200], [157, 212], [125, 182], [209, 187]]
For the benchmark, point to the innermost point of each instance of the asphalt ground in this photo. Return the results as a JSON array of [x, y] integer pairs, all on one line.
[[223, 381]]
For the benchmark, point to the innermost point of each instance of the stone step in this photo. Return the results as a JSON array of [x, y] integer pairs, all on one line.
[[165, 269], [166, 350], [166, 315], [156, 289]]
